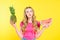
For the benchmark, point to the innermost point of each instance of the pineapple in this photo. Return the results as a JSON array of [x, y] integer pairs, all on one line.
[[13, 18]]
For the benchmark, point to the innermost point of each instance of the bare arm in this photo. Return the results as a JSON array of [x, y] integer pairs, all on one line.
[[39, 33], [18, 32], [45, 24]]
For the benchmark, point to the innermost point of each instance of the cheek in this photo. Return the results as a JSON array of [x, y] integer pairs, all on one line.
[[27, 14], [32, 14]]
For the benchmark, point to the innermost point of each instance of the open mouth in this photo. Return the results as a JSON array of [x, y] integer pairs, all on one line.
[[29, 14]]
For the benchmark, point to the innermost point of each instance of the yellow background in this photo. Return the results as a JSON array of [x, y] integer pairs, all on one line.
[[44, 9]]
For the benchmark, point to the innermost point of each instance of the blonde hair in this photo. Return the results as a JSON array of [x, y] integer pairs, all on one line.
[[25, 20]]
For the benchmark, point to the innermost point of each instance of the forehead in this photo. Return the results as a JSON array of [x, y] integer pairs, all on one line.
[[29, 9]]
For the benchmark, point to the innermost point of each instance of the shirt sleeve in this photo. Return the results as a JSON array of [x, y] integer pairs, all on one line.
[[21, 24], [38, 24]]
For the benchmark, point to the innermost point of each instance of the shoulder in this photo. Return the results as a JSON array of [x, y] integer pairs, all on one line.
[[38, 23]]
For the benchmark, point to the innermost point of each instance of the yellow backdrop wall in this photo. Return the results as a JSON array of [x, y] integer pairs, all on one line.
[[44, 9]]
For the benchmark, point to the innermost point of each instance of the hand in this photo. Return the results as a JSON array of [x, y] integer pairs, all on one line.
[[12, 23], [46, 23]]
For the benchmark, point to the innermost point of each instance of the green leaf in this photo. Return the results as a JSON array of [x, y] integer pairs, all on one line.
[[12, 10]]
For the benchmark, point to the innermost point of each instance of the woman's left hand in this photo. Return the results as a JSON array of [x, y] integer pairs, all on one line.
[[46, 23]]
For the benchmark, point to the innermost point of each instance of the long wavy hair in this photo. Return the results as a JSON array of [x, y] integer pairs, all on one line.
[[25, 20]]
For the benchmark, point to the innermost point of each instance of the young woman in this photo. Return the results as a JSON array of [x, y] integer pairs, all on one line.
[[30, 27]]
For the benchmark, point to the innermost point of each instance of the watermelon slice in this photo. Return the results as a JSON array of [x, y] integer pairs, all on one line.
[[47, 22]]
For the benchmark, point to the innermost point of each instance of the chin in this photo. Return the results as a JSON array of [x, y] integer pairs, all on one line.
[[29, 17]]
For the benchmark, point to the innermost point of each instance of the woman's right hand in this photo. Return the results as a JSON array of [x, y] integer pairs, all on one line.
[[13, 24], [18, 32]]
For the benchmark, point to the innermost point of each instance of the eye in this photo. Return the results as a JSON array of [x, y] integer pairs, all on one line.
[[31, 11], [27, 11]]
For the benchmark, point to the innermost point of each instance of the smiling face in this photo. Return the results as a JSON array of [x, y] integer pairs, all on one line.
[[29, 12]]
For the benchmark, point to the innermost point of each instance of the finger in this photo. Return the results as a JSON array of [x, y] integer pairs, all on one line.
[[11, 22]]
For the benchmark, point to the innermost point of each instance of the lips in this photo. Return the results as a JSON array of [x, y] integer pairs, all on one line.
[[29, 14]]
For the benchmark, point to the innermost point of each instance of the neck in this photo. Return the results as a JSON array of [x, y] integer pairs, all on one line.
[[29, 20]]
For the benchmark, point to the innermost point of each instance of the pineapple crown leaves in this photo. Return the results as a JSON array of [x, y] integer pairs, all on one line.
[[12, 10]]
